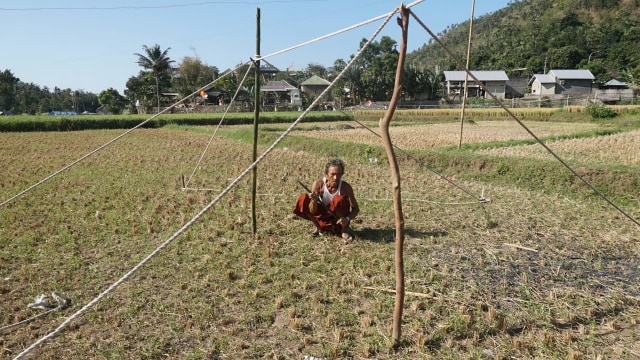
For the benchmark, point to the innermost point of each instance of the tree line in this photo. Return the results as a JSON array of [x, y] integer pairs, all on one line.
[[370, 78], [533, 36], [527, 37]]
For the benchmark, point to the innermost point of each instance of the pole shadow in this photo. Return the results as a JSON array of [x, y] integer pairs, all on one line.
[[388, 235]]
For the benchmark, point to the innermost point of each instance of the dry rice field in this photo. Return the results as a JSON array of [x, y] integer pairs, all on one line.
[[623, 149], [529, 275], [419, 137]]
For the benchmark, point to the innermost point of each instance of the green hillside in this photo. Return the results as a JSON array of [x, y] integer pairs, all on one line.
[[531, 36]]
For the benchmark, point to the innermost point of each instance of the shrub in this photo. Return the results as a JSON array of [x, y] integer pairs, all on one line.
[[600, 111]]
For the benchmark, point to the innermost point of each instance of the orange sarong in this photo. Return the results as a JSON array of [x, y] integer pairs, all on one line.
[[323, 218]]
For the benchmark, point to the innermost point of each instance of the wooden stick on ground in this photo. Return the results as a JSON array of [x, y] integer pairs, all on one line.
[[406, 292], [521, 247]]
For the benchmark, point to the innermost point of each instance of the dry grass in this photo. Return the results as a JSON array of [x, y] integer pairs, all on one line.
[[431, 136], [623, 148], [529, 276]]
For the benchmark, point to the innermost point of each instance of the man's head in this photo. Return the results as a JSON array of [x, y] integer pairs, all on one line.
[[334, 171], [334, 163]]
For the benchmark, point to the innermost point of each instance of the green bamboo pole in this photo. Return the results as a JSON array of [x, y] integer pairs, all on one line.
[[466, 74], [256, 118]]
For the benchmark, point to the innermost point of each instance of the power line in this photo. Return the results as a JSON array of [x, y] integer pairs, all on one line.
[[159, 6]]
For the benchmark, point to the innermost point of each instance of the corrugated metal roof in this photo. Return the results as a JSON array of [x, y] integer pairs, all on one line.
[[315, 80], [482, 75], [614, 82], [544, 78], [578, 74], [280, 85]]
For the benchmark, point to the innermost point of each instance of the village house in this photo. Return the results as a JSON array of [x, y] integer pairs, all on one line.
[[314, 85], [280, 92], [494, 81], [562, 82], [614, 92]]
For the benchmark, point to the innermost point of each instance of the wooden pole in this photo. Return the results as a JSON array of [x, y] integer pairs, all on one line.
[[466, 73], [256, 118], [395, 179]]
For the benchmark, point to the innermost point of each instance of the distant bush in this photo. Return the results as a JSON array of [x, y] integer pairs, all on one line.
[[600, 111]]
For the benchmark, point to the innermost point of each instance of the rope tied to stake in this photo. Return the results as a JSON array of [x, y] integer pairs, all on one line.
[[42, 302]]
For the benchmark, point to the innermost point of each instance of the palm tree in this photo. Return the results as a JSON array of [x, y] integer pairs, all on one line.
[[156, 61]]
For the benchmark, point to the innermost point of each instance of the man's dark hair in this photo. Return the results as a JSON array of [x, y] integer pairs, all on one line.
[[334, 162]]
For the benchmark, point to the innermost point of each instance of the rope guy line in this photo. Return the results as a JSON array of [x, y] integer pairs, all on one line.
[[480, 200], [545, 146], [235, 95], [338, 32], [68, 166], [264, 57], [186, 226], [424, 201], [108, 143]]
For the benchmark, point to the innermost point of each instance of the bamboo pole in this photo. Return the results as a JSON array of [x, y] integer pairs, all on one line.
[[395, 179], [256, 118], [466, 73]]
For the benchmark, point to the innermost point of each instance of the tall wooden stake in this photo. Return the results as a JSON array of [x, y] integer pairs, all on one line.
[[466, 74], [395, 179], [256, 118]]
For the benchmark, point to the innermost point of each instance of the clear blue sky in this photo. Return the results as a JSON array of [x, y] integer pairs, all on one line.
[[90, 45]]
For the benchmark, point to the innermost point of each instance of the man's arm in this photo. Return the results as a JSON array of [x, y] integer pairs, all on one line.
[[316, 193], [347, 192]]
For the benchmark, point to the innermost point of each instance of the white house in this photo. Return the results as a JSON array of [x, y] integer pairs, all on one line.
[[278, 92], [563, 82], [494, 81], [543, 85]]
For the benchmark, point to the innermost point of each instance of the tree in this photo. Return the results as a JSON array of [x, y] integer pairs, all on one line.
[[192, 74], [316, 69], [419, 83], [31, 99], [376, 69], [567, 57], [347, 89], [158, 63], [8, 84], [139, 90], [112, 101]]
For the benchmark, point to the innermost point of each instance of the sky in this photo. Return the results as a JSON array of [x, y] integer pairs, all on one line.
[[91, 45]]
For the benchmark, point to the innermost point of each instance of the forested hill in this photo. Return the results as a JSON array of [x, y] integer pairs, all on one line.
[[530, 36]]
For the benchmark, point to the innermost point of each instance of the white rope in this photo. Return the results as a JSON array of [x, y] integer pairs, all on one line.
[[219, 124], [204, 210], [199, 189], [480, 201], [338, 32], [258, 58], [70, 165], [5, 202]]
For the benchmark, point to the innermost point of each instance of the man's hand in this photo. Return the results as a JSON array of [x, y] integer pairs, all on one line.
[[314, 197], [343, 221]]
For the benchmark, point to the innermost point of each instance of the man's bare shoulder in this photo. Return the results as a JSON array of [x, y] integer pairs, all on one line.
[[346, 187]]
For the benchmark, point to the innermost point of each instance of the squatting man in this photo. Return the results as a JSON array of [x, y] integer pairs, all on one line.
[[338, 205]]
